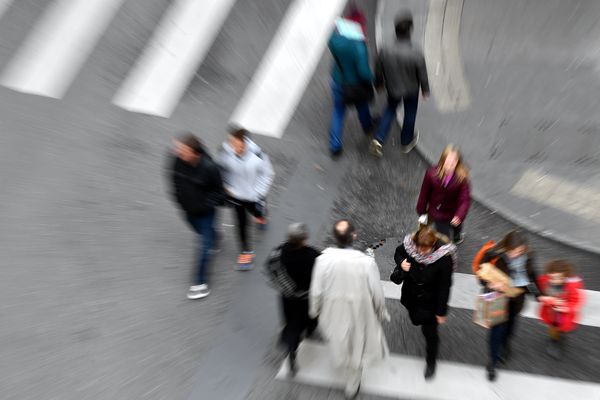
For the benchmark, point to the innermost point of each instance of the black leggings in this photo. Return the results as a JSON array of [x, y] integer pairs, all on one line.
[[432, 341], [241, 209]]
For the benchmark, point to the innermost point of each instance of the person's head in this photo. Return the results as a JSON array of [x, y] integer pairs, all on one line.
[[344, 233], [515, 244], [451, 163], [559, 270], [403, 25], [425, 239], [297, 234], [188, 148], [237, 140]]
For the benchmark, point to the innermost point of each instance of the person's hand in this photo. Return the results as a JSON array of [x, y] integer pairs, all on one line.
[[560, 309], [456, 221], [440, 319], [425, 96], [405, 265], [498, 286], [546, 299]]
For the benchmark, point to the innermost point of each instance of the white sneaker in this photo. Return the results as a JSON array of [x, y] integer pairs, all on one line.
[[198, 292], [376, 148], [406, 149]]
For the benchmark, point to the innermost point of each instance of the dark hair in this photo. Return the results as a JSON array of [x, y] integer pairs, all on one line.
[[343, 237], [560, 267], [403, 26], [297, 234], [425, 236], [239, 133], [514, 239], [191, 141]]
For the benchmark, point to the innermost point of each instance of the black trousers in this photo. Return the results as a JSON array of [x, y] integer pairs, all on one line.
[[242, 208], [432, 341], [500, 334], [295, 314], [446, 228]]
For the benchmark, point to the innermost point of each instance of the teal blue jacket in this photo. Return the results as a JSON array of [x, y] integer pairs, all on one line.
[[354, 60]]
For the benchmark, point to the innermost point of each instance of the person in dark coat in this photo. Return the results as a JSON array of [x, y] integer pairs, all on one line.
[[298, 260], [424, 263], [513, 257], [446, 195], [197, 188]]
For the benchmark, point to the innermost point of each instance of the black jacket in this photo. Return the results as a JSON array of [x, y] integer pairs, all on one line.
[[299, 264], [426, 286], [502, 265], [198, 189]]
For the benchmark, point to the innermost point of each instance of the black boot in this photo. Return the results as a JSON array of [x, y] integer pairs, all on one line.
[[293, 365], [491, 372], [430, 370]]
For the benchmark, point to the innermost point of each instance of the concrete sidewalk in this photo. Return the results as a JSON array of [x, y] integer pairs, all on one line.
[[513, 85]]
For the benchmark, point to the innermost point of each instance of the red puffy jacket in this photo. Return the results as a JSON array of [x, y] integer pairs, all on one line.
[[442, 203], [573, 296]]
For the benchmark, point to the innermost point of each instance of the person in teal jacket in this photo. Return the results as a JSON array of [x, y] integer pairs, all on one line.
[[350, 67]]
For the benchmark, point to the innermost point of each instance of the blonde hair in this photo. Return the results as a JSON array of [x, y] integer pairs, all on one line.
[[461, 172]]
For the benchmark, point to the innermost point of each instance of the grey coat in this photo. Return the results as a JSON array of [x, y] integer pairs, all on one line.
[[402, 67]]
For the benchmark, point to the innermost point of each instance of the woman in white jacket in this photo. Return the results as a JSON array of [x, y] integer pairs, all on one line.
[[247, 176]]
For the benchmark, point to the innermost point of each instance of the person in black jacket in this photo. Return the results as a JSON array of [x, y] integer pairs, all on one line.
[[513, 257], [197, 188], [424, 262], [298, 260]]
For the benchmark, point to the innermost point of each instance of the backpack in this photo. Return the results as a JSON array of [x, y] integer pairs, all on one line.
[[278, 278], [477, 261]]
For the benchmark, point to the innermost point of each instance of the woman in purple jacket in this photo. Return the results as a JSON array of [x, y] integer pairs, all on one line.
[[445, 194]]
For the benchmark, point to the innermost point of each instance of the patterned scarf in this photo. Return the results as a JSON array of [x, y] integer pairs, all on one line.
[[411, 250]]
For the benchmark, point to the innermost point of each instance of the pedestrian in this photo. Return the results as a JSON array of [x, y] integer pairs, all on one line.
[[446, 195], [561, 302], [347, 296], [197, 188], [424, 266], [513, 257], [351, 80], [294, 261], [248, 175], [401, 67]]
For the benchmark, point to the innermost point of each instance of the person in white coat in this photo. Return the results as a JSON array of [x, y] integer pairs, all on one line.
[[347, 296], [247, 176]]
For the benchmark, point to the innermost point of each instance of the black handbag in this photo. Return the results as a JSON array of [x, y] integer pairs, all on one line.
[[357, 93]]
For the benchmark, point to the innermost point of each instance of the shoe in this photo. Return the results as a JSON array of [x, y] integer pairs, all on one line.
[[491, 373], [460, 239], [245, 261], [262, 223], [376, 148], [335, 153], [198, 292], [293, 365], [407, 149], [429, 371]]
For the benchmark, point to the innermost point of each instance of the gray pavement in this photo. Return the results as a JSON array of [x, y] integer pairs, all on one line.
[[530, 131]]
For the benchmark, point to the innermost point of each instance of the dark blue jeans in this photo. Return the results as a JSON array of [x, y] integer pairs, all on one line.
[[497, 341], [337, 118], [204, 226], [389, 115]]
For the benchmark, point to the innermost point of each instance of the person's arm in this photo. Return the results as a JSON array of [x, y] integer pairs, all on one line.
[[376, 290], [424, 195], [265, 177], [533, 286], [363, 68], [444, 284], [464, 200], [422, 75], [379, 75], [398, 275]]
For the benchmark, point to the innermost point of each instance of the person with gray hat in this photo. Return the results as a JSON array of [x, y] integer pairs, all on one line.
[[289, 270], [401, 67]]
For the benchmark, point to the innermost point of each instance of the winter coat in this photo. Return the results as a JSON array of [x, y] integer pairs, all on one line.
[[347, 297], [247, 177], [443, 203], [573, 296], [426, 286], [353, 57], [197, 189], [402, 67], [299, 264]]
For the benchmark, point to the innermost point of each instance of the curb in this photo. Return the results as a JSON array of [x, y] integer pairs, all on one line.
[[487, 202]]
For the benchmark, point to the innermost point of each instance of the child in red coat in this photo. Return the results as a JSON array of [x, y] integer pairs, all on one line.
[[561, 303]]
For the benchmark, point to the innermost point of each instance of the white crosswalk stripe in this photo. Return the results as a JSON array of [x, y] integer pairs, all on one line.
[[465, 288], [58, 46], [168, 64], [277, 86], [402, 377]]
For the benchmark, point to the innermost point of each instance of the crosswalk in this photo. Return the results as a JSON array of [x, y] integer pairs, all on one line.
[[60, 42]]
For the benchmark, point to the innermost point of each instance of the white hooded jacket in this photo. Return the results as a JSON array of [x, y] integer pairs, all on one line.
[[248, 177]]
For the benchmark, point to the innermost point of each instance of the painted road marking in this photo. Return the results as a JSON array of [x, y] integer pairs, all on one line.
[[402, 377], [170, 60], [274, 93], [58, 46], [465, 288]]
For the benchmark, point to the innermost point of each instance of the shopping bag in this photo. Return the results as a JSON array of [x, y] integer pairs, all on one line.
[[491, 309]]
